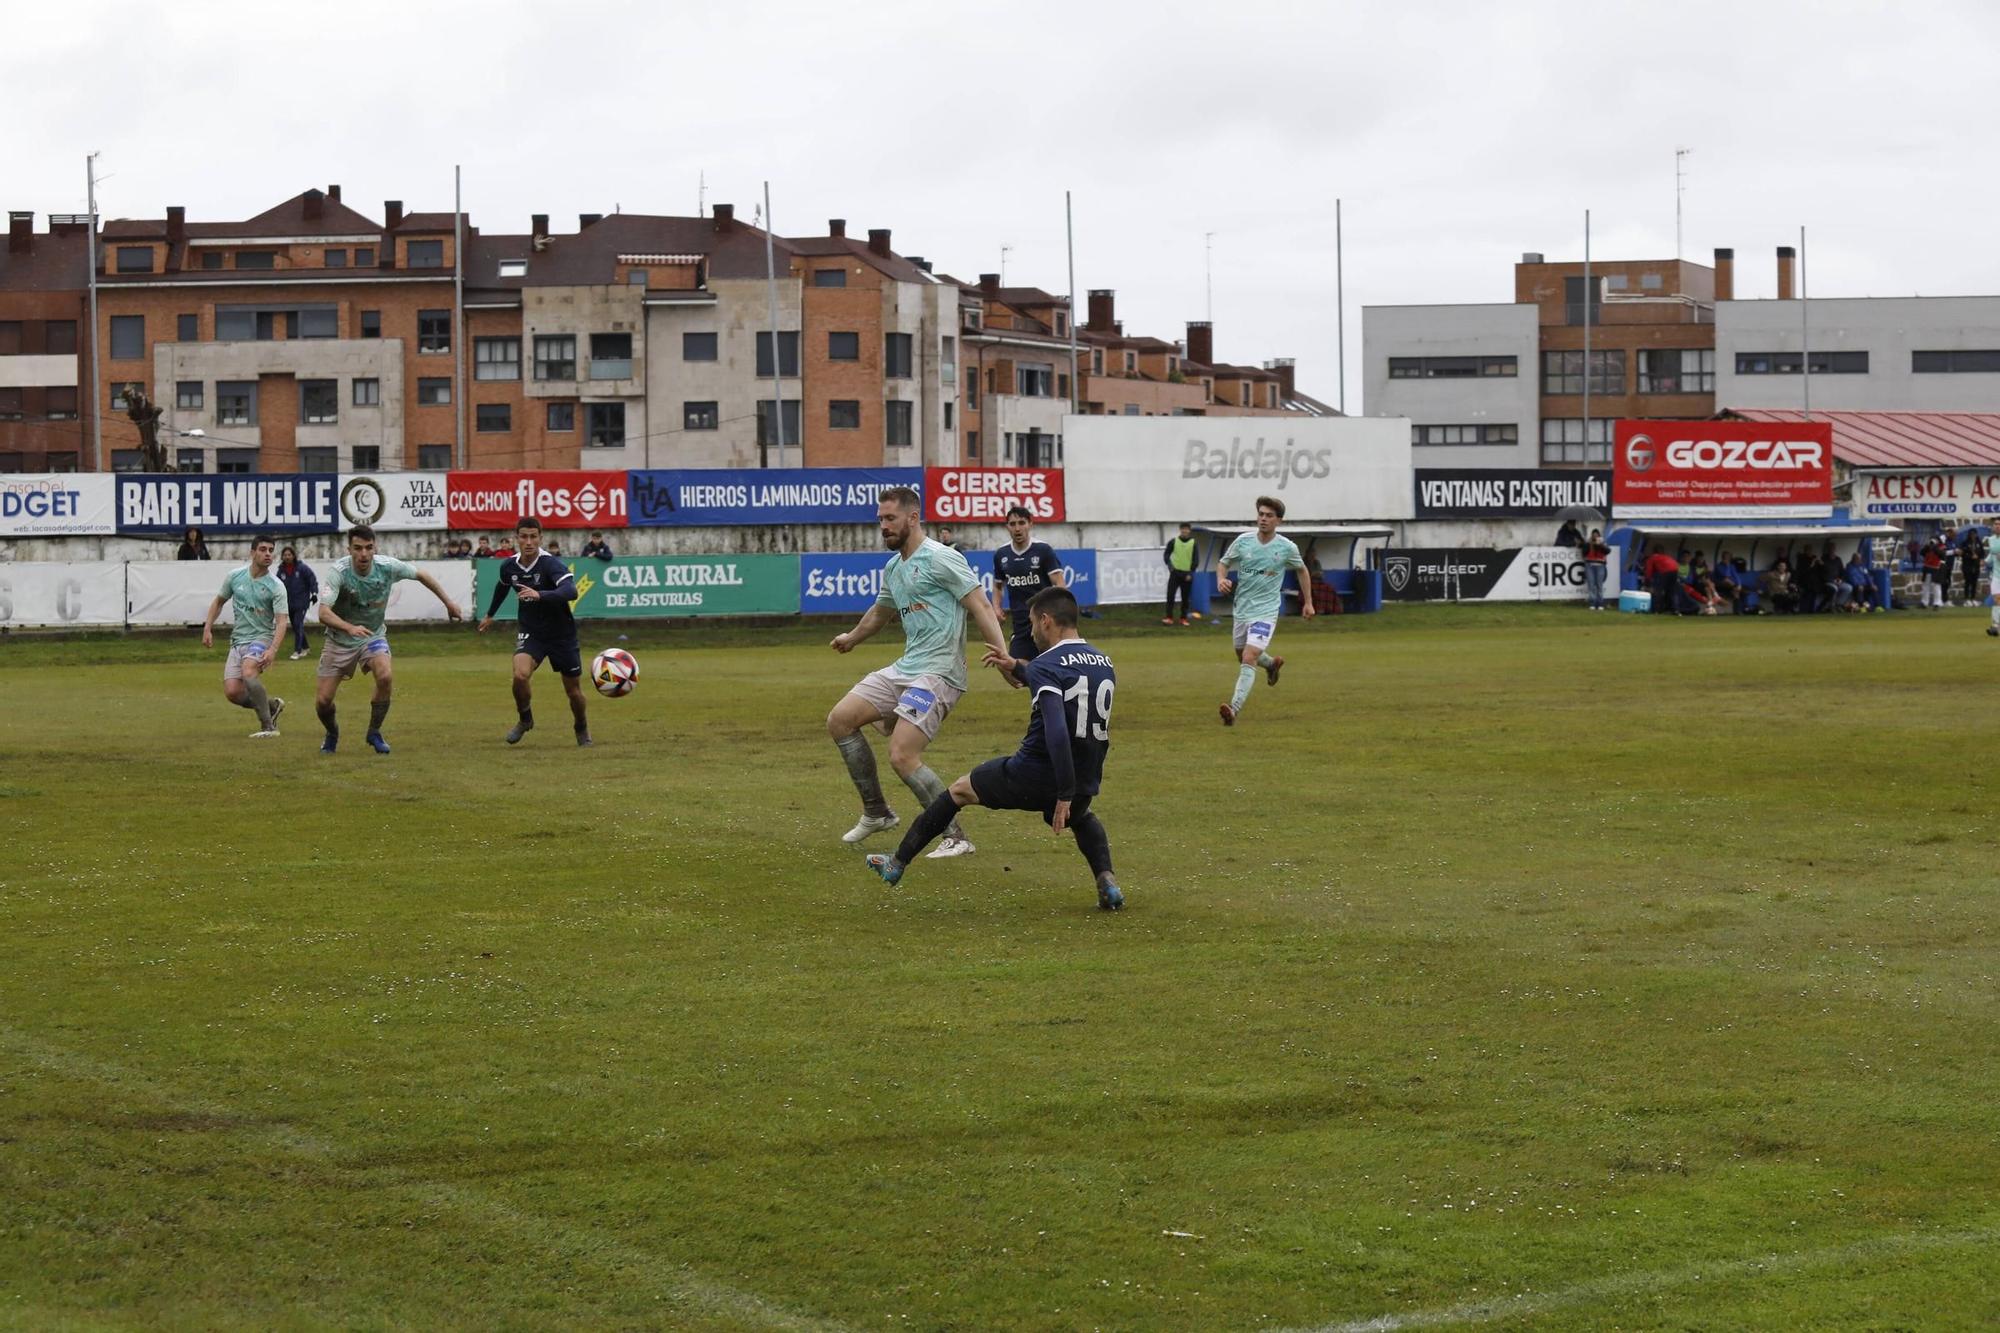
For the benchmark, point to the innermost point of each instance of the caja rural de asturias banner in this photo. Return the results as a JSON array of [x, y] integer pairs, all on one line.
[[667, 585]]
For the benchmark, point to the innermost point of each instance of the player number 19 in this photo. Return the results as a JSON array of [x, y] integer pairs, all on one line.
[[1085, 726]]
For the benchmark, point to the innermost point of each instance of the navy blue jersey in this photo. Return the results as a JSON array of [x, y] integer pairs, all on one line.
[[548, 616], [1023, 574], [1082, 678]]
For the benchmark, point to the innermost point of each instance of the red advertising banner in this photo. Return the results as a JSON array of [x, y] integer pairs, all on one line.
[[497, 500], [1722, 469], [985, 494]]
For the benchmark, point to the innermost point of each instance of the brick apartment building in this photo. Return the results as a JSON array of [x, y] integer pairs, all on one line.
[[44, 355]]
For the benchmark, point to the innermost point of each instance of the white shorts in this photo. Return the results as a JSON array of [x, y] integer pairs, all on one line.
[[335, 660], [232, 666], [923, 702], [1254, 634]]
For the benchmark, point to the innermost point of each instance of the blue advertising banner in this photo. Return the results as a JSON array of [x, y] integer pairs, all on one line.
[[729, 497], [851, 583], [162, 503]]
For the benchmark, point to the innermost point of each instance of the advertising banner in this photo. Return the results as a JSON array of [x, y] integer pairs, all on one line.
[[177, 592], [985, 494], [393, 501], [1212, 469], [1957, 496], [58, 504], [488, 501], [1452, 492], [728, 497], [162, 504], [1472, 574], [847, 582], [669, 585], [1131, 575], [37, 593], [1079, 573], [1722, 469]]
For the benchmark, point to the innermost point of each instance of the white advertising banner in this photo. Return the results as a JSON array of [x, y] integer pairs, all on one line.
[[393, 501], [58, 504], [1212, 469], [1956, 495], [1131, 575], [60, 594], [177, 592]]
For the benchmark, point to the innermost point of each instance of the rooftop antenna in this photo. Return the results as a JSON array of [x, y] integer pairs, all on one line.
[[1680, 188], [1005, 250], [701, 196]]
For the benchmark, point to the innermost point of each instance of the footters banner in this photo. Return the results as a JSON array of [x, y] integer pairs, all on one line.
[[1472, 574]]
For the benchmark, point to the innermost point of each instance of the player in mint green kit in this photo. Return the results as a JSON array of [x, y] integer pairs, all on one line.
[[258, 618], [931, 588], [353, 604], [1258, 560]]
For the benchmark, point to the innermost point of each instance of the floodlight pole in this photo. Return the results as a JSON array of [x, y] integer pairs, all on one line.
[[1588, 292], [1339, 306], [777, 350], [90, 249], [1805, 331]]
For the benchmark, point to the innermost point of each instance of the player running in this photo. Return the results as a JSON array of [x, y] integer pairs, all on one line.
[[353, 604], [931, 588], [1060, 763], [1260, 560], [258, 619], [1021, 569], [543, 588]]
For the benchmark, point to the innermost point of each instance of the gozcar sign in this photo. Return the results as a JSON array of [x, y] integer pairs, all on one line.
[[1722, 469]]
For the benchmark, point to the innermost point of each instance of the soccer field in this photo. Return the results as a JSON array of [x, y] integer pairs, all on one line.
[[1511, 966]]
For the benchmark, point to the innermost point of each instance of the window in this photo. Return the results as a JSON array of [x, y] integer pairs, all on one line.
[[135, 259], [59, 337], [10, 408], [122, 391], [496, 358], [513, 268], [319, 458], [371, 323], [235, 460], [767, 433], [636, 277], [235, 326], [1062, 386], [430, 457], [1449, 367], [611, 356], [1576, 297], [1677, 370], [972, 444], [258, 259], [424, 254], [364, 256], [319, 322], [434, 330], [788, 354], [187, 328], [60, 462], [700, 416], [336, 259], [1097, 361], [368, 393], [211, 259], [236, 402], [896, 356], [972, 392], [606, 422], [128, 337], [555, 357], [561, 417], [59, 402], [948, 361], [1007, 447], [697, 347], [190, 460], [1823, 363], [319, 402], [899, 423], [829, 277], [124, 460], [188, 395], [1562, 372], [1131, 362], [1563, 440], [368, 457], [844, 414], [843, 347], [494, 416], [1032, 381], [948, 414], [433, 392], [1131, 410], [1472, 434]]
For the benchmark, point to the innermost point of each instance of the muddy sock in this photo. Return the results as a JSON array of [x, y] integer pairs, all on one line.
[[859, 757], [259, 699]]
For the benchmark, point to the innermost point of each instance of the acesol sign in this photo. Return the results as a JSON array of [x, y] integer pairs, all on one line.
[[1722, 469]]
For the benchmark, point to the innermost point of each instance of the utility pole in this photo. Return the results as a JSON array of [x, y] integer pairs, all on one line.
[[459, 338], [1340, 306], [1005, 250], [1208, 275], [1680, 188], [1805, 331], [96, 406], [777, 345], [1069, 231], [1588, 293]]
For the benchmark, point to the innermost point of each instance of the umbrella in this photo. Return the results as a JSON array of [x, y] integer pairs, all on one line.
[[1582, 513]]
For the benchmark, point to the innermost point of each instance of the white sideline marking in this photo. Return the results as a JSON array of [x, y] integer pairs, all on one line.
[[683, 1289], [1630, 1284]]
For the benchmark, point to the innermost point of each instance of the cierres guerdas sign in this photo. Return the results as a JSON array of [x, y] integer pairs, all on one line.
[[985, 494], [1722, 469]]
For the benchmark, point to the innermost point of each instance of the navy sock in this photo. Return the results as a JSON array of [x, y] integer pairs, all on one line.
[[938, 816]]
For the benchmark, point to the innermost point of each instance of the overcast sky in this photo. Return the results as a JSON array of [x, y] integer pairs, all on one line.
[[1458, 134]]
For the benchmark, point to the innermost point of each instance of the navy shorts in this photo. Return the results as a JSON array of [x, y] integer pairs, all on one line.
[[1022, 646], [1003, 784], [564, 655]]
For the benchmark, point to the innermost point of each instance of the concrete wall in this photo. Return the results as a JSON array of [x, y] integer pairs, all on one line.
[[739, 313], [1889, 329], [277, 367], [1457, 330], [579, 312]]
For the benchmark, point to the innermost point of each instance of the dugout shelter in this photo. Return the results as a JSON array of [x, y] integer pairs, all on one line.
[[1342, 563]]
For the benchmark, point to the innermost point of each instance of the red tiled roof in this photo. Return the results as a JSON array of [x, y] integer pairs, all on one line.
[[286, 219], [1901, 439], [893, 265], [51, 263]]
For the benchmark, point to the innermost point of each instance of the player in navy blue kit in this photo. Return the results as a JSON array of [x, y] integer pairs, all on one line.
[[544, 588], [1061, 760], [1021, 569]]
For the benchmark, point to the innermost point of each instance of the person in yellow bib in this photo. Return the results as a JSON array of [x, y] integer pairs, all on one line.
[[1180, 557]]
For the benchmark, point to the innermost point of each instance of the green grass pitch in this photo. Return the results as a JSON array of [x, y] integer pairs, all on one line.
[[1509, 967]]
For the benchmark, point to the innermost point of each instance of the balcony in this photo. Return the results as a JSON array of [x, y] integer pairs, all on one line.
[[611, 368]]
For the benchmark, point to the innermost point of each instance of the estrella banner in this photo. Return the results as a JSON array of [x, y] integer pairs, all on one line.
[[489, 501], [849, 582], [985, 494], [732, 497], [165, 503], [643, 586]]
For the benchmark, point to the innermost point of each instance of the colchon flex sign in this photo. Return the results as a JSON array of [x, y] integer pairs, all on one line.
[[1722, 469]]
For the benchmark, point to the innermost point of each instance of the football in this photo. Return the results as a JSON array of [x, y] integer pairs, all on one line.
[[614, 671]]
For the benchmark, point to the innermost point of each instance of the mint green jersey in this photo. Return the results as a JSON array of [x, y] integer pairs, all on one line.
[[924, 589], [1258, 570], [255, 605], [362, 600]]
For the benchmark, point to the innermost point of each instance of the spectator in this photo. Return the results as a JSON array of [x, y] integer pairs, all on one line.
[[1180, 557], [1933, 585], [193, 547], [1661, 573], [1568, 534], [597, 548], [1949, 561], [1775, 592], [504, 551], [301, 587], [1809, 576], [1971, 559], [1728, 580], [485, 552], [945, 538], [1595, 556], [553, 549], [1860, 580]]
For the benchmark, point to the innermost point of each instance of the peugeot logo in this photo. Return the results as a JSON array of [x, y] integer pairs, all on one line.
[[1398, 571], [1639, 453], [362, 501]]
